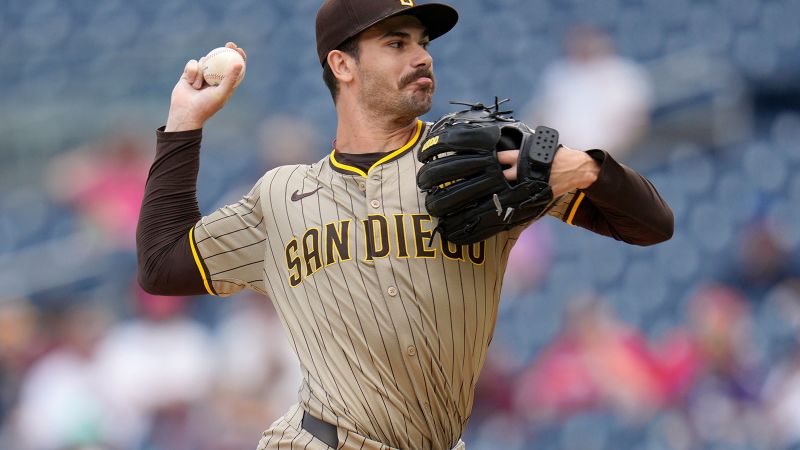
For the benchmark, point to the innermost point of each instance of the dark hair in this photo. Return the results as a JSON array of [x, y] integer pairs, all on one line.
[[350, 47]]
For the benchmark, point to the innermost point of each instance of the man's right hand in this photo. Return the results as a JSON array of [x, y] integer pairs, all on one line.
[[194, 101]]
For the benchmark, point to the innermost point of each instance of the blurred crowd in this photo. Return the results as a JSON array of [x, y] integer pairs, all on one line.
[[138, 371], [78, 377], [693, 344], [705, 383]]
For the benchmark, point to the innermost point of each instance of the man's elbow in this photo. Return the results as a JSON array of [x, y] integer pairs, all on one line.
[[149, 278], [149, 283], [661, 229], [666, 225]]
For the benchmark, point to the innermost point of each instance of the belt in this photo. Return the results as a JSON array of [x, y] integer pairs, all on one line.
[[323, 431]]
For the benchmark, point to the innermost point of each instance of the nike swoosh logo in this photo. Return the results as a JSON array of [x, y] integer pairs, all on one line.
[[297, 196]]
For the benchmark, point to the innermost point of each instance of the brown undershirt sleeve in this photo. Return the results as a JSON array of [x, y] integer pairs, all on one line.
[[622, 204], [165, 262]]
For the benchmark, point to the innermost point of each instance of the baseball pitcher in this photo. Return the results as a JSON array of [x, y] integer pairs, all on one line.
[[384, 259]]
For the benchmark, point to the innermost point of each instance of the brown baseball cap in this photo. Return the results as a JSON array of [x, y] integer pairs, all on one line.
[[339, 20]]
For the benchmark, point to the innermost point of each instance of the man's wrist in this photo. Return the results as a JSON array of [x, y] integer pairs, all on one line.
[[590, 170], [175, 124], [182, 126]]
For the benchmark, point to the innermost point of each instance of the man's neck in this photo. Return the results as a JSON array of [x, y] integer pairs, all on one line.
[[360, 131]]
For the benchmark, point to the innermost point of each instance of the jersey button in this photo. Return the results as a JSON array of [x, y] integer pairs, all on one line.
[[362, 186], [392, 291], [375, 204], [411, 350]]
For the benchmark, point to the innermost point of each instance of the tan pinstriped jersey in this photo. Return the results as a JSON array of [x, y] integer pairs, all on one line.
[[391, 327]]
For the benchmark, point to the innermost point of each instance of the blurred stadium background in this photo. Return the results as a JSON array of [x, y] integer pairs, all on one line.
[[692, 344]]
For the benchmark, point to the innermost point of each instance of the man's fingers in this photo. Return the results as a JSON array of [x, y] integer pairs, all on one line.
[[198, 81], [238, 49], [228, 83], [509, 158], [190, 71]]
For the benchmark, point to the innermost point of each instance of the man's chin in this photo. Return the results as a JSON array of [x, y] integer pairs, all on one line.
[[423, 101], [412, 106], [419, 109]]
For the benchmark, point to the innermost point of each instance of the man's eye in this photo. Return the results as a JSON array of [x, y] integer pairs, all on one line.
[[425, 45], [396, 44]]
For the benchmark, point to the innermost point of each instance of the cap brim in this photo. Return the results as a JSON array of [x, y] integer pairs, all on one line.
[[437, 18]]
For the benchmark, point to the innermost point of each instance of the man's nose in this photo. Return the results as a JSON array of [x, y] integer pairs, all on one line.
[[422, 58]]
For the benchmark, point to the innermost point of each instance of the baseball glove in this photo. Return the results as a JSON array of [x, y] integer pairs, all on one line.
[[463, 179]]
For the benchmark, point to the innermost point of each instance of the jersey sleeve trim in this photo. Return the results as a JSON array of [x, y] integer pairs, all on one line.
[[394, 154], [575, 207], [200, 266]]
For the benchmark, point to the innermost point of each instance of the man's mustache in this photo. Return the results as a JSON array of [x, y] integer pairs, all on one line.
[[416, 75]]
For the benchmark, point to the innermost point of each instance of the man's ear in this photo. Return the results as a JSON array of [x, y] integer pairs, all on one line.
[[342, 65]]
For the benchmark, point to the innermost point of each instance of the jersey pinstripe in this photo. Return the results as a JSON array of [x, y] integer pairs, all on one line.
[[390, 326]]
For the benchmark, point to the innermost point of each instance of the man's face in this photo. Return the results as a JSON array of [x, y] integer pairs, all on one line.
[[395, 70]]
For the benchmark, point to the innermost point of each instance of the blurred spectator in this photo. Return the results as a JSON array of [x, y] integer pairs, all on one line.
[[20, 343], [594, 97], [155, 369], [783, 394], [583, 368], [725, 403], [529, 261], [761, 261], [494, 418], [720, 321], [60, 404], [258, 375], [104, 181], [494, 392], [782, 388]]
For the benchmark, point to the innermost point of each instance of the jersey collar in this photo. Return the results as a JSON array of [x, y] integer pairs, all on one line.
[[347, 169]]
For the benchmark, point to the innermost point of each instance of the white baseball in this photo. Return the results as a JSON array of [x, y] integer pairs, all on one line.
[[217, 63]]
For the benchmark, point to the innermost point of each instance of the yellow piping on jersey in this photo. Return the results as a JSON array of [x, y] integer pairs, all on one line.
[[197, 261], [386, 158], [575, 207]]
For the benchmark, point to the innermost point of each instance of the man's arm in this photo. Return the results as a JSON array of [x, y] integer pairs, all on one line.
[[167, 263], [169, 210], [616, 201], [595, 192]]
